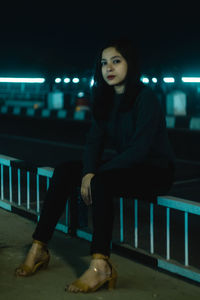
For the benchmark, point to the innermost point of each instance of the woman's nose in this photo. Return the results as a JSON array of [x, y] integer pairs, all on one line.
[[109, 67]]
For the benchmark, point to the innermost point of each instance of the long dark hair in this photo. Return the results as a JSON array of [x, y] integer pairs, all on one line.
[[103, 94]]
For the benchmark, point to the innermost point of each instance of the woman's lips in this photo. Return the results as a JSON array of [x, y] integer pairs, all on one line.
[[110, 77]]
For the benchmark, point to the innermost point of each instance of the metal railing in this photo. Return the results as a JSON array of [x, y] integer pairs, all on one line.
[[24, 187]]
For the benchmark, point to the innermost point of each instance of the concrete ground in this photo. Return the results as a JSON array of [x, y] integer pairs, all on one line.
[[69, 258]]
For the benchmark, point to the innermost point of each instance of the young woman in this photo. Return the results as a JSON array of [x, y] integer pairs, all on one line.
[[128, 115]]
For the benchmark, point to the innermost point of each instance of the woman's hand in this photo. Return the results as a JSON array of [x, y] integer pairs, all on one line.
[[86, 188]]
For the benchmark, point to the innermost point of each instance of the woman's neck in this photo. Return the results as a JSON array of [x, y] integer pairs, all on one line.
[[119, 89]]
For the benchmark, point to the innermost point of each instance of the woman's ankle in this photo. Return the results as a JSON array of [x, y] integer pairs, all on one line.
[[37, 249], [101, 265], [40, 243]]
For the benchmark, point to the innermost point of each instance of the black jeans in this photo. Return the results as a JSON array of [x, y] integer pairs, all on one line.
[[138, 181]]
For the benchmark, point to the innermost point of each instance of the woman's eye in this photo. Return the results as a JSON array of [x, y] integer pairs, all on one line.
[[116, 61], [103, 63]]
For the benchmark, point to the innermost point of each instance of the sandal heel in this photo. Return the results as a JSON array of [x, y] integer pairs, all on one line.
[[112, 284], [109, 281], [45, 264]]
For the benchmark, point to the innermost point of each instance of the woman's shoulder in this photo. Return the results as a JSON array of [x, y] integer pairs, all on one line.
[[146, 91], [147, 94], [147, 100]]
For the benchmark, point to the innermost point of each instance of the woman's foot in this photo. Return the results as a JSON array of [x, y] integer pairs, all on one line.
[[99, 272], [37, 257]]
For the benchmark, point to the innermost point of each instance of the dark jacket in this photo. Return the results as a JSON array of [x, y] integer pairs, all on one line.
[[139, 136]]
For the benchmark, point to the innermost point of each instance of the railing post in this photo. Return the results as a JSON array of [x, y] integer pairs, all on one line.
[[10, 183], [67, 215], [48, 182], [2, 183], [186, 240], [121, 219], [38, 193], [19, 186], [136, 223], [151, 228], [168, 233], [28, 190]]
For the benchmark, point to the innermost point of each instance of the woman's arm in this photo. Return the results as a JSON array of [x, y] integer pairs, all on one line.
[[149, 114], [94, 147]]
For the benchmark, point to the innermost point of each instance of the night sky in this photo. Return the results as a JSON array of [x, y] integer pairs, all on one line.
[[63, 37]]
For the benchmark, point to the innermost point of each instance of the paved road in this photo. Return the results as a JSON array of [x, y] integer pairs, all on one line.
[[69, 258]]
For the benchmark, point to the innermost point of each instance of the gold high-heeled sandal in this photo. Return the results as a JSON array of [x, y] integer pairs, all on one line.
[[110, 280], [42, 264]]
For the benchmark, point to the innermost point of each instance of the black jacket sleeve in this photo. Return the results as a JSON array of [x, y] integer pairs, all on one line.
[[94, 147], [148, 117]]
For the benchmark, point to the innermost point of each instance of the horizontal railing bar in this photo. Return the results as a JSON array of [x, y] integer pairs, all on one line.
[[179, 270], [186, 181], [45, 171], [6, 206], [62, 228], [6, 160], [191, 162], [85, 235], [179, 204]]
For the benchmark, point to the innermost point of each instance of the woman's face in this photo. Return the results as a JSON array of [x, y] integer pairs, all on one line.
[[114, 67]]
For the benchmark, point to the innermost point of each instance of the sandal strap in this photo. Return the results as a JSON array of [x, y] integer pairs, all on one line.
[[104, 257], [100, 256], [100, 272], [39, 243]]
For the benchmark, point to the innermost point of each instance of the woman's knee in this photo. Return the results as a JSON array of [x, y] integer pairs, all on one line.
[[99, 184], [66, 166], [66, 170]]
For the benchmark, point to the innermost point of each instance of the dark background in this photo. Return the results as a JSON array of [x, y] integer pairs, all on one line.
[[55, 37]]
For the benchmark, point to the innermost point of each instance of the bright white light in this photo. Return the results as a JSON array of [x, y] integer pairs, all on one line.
[[81, 94], [155, 80], [58, 80], [75, 80], [169, 79], [67, 80], [92, 82], [22, 80], [145, 80], [190, 79]]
